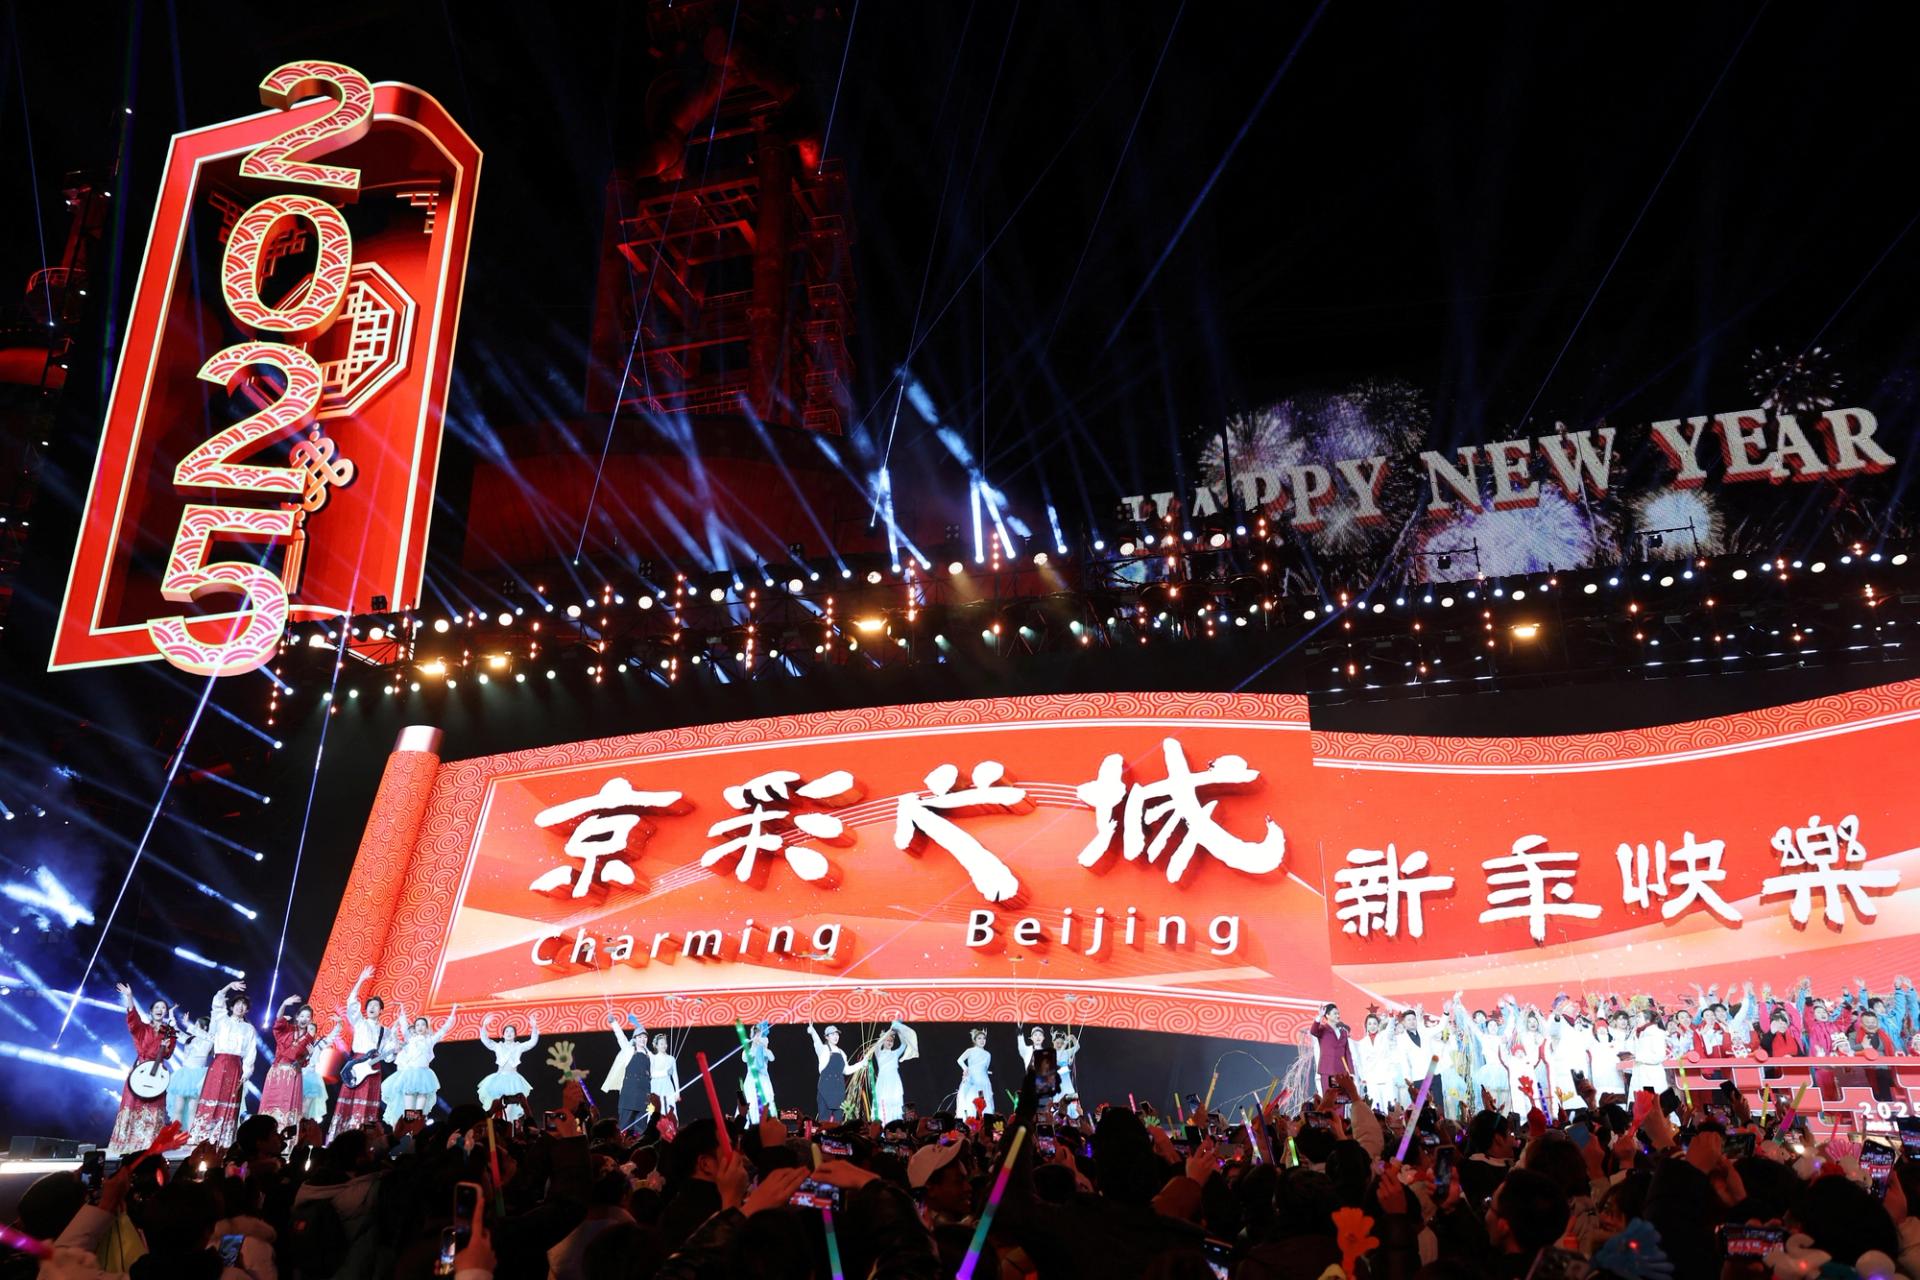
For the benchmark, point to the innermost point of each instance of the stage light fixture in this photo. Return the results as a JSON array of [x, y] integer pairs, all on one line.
[[869, 625], [505, 619], [441, 625], [573, 611], [435, 668], [1040, 558], [519, 677], [482, 678], [717, 594], [956, 568], [551, 673], [1901, 558], [1818, 566], [796, 586], [416, 686], [497, 662], [1217, 540], [1526, 631], [1591, 588], [646, 602], [352, 693], [376, 633], [1127, 548], [874, 577]]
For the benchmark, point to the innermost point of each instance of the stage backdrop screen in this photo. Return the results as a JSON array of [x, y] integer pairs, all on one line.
[[1177, 862]]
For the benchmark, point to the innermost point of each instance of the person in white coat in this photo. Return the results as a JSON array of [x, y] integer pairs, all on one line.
[[975, 1094], [1377, 1061], [1420, 1050], [1650, 1049]]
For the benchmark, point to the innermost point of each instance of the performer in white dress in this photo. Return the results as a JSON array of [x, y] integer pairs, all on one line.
[[506, 1082], [897, 1044], [414, 1086], [183, 1087], [1650, 1049], [663, 1073], [1066, 1048], [975, 1094], [757, 1085]]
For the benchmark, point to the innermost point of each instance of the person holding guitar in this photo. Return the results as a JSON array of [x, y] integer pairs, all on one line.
[[371, 1050], [234, 1043], [143, 1098]]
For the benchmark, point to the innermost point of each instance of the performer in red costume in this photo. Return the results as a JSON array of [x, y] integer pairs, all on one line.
[[283, 1095], [141, 1118]]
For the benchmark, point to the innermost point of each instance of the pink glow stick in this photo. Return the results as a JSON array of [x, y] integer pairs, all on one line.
[[713, 1100]]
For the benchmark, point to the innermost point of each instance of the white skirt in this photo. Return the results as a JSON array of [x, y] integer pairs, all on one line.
[[503, 1084]]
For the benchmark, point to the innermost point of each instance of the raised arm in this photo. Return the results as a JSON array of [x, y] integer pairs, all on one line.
[[485, 1039], [533, 1031], [441, 1031], [219, 1009], [909, 1042], [352, 1011], [620, 1033], [405, 1025], [819, 1048], [285, 1014]]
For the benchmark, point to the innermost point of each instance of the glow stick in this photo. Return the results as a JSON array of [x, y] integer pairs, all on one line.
[[713, 1100], [24, 1243], [1179, 1110], [493, 1159], [1406, 1138], [979, 1241], [1131, 1104], [833, 1244], [1271, 1090], [1206, 1108]]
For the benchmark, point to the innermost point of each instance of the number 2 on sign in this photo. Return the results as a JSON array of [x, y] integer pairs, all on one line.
[[216, 463]]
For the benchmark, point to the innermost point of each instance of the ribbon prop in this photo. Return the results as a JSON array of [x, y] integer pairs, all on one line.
[[1419, 1102], [713, 1100], [979, 1241]]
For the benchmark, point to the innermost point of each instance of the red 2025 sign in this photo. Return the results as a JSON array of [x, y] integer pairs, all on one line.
[[273, 434]]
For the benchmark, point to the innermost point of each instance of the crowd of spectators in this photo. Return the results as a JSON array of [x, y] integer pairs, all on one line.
[[1635, 1184]]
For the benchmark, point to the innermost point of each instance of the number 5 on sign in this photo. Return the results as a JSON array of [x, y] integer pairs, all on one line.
[[189, 577]]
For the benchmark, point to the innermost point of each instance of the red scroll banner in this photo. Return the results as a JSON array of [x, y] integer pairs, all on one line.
[[1108, 859], [1760, 848], [273, 434], [1179, 862]]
